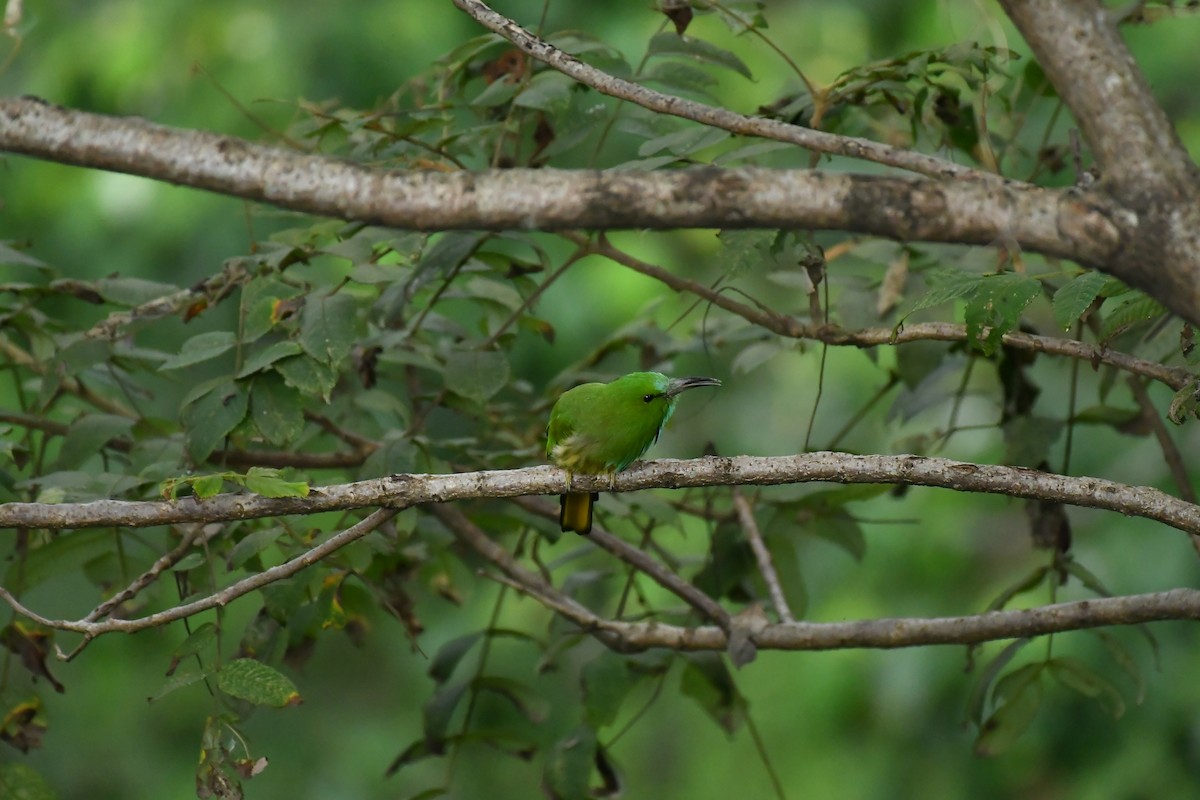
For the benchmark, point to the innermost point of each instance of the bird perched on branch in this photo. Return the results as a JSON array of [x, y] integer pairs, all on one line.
[[602, 428]]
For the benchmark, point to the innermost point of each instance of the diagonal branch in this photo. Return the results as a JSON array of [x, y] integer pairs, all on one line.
[[761, 554], [91, 628], [402, 491], [815, 140]]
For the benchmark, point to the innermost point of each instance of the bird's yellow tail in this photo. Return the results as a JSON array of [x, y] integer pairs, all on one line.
[[575, 511]]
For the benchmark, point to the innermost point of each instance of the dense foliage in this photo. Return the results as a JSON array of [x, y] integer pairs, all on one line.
[[324, 352]]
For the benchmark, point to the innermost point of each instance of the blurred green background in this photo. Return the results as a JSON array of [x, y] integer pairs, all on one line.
[[846, 724]]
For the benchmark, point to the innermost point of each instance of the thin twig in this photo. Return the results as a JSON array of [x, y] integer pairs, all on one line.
[[638, 559], [91, 628], [763, 556], [1175, 377]]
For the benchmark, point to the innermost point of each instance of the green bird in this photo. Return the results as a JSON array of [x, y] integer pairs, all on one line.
[[602, 428]]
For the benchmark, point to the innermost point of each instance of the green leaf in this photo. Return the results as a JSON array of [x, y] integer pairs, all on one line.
[[686, 142], [756, 354], [190, 673], [996, 305], [670, 44], [201, 348], [1125, 661], [1184, 403], [476, 374], [1025, 584], [1138, 308], [265, 481], [207, 486], [259, 299], [437, 713], [707, 680], [307, 375], [210, 418], [569, 764], [276, 409], [329, 327], [265, 357], [744, 251], [257, 683], [87, 435], [547, 91], [1028, 439], [945, 284], [1013, 716], [979, 693], [1078, 676], [449, 654], [132, 291], [22, 782], [1076, 296], [607, 680], [251, 545]]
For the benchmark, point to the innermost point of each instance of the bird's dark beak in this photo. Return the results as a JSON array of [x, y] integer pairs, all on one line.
[[678, 385]]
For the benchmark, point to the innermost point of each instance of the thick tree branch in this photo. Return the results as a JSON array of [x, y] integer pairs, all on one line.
[[815, 140], [402, 491], [1144, 166], [969, 211]]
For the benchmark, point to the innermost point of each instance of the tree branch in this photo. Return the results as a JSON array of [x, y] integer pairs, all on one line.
[[1144, 166], [763, 556], [809, 138], [970, 211], [90, 628], [1175, 377], [402, 491], [915, 632]]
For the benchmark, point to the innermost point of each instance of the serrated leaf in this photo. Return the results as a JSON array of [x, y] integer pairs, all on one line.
[[258, 303], [996, 306], [476, 374], [673, 44], [328, 327], [1076, 296], [201, 348], [307, 375], [257, 683], [207, 486], [266, 482], [944, 284], [1137, 308], [210, 418]]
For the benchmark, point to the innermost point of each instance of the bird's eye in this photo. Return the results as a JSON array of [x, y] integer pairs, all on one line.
[[648, 398]]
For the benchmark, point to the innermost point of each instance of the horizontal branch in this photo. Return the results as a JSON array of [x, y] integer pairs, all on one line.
[[402, 491], [792, 327], [969, 211], [1177, 604]]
